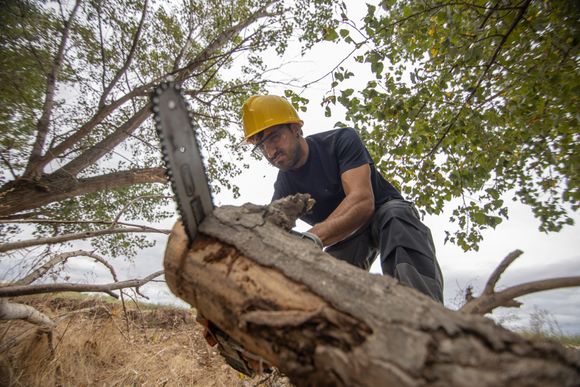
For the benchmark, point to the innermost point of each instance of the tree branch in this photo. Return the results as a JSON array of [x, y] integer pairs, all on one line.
[[91, 155], [7, 162], [486, 303], [219, 41], [490, 63], [22, 196], [133, 200], [106, 110], [12, 311], [63, 257], [102, 43], [490, 299], [71, 237], [129, 58], [97, 118], [59, 221], [43, 123], [488, 14], [13, 291], [492, 281], [186, 44]]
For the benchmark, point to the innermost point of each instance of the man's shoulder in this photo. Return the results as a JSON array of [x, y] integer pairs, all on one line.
[[332, 134]]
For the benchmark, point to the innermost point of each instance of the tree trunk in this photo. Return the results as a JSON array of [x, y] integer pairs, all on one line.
[[324, 322]]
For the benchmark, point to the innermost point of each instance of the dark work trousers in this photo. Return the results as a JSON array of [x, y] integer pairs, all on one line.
[[403, 243]]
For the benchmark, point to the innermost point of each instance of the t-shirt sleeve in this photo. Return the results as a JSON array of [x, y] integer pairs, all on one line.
[[350, 151], [280, 189]]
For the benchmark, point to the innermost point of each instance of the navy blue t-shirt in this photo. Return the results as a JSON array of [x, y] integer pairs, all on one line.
[[330, 154]]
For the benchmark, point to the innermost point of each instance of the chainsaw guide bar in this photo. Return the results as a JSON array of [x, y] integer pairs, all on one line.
[[186, 173], [182, 157]]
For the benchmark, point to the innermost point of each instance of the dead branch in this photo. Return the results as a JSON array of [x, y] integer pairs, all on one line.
[[490, 299], [492, 281], [71, 237], [24, 290], [63, 257], [12, 311], [486, 303]]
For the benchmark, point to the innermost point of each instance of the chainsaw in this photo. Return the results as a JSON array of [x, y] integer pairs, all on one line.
[[185, 170]]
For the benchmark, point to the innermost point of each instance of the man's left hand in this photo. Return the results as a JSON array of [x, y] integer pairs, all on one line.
[[309, 236]]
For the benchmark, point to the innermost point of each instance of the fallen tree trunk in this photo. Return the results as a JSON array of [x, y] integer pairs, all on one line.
[[324, 322]]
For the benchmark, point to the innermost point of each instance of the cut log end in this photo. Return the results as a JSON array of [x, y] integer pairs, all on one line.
[[269, 314]]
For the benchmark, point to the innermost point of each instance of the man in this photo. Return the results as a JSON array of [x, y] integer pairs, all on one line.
[[357, 213]]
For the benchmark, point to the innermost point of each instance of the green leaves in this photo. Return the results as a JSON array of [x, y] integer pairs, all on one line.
[[300, 103], [114, 53], [330, 34], [473, 104]]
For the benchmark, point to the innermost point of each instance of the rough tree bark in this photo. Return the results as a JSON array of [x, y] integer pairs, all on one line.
[[24, 194], [323, 322]]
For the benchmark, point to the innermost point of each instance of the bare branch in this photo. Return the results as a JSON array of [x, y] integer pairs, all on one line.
[[12, 311], [63, 257], [488, 302], [58, 221], [306, 85], [492, 281], [13, 291], [129, 58], [51, 79], [71, 237]]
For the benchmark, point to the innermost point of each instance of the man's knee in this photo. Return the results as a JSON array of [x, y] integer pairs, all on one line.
[[430, 286]]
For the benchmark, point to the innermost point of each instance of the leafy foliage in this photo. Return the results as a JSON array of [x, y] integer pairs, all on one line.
[[75, 83], [472, 100]]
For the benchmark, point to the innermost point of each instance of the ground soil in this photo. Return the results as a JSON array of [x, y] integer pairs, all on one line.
[[100, 343]]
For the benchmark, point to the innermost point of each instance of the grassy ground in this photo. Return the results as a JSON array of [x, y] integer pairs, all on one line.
[[97, 343]]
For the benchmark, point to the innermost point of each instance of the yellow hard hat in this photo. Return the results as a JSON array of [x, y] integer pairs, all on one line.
[[263, 111]]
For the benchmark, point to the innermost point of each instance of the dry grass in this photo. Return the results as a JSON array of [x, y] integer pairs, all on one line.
[[160, 347]]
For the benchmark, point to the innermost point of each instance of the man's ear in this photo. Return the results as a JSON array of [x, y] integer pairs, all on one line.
[[296, 129]]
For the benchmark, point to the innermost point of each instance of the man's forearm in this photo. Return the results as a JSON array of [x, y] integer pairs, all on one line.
[[347, 218]]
